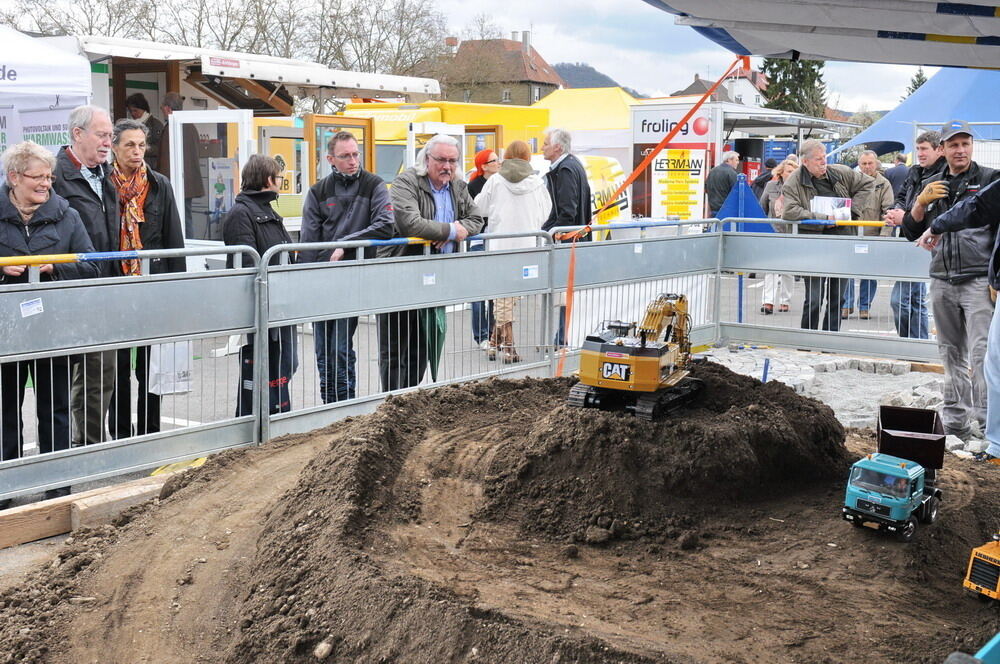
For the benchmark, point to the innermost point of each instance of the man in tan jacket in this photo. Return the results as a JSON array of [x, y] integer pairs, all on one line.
[[430, 202], [817, 178], [875, 206]]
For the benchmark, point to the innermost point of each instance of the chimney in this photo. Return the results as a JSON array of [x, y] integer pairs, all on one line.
[[526, 40], [696, 77], [513, 36]]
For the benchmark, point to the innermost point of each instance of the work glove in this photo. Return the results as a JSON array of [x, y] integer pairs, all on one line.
[[932, 192]]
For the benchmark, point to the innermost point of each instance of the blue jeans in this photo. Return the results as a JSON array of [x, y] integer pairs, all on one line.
[[909, 309], [336, 362], [992, 371], [482, 312], [868, 287]]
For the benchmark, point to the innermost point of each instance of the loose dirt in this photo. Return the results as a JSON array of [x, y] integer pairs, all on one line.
[[491, 523]]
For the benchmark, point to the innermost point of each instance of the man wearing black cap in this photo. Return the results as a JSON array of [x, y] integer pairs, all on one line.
[[959, 270], [766, 175]]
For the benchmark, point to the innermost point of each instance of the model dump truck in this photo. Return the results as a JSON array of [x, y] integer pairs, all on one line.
[[983, 573], [988, 654], [895, 488]]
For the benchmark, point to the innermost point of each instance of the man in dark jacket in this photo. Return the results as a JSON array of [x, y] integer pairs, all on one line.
[[980, 210], [570, 191], [897, 174], [155, 224], [428, 202], [720, 181], [566, 181], [817, 178], [348, 204], [909, 298], [82, 179], [959, 267], [765, 176]]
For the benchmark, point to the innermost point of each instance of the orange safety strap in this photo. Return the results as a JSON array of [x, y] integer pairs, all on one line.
[[741, 61]]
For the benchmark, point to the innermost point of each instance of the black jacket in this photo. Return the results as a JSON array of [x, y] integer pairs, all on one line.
[[162, 226], [910, 189], [99, 215], [340, 210], [980, 210], [718, 184], [570, 192], [55, 228], [253, 222], [962, 254]]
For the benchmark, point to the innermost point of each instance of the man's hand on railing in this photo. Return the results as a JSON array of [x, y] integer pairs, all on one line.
[[893, 217], [337, 254], [928, 240]]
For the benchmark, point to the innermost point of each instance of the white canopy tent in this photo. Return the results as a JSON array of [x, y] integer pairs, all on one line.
[[39, 85]]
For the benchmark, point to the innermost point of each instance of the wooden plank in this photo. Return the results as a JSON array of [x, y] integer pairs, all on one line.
[[102, 508], [925, 367], [27, 523]]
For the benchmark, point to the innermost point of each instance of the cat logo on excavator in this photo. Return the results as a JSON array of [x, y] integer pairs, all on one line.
[[615, 371]]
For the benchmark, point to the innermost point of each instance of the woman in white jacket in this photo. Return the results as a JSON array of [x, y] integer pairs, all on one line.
[[516, 201]]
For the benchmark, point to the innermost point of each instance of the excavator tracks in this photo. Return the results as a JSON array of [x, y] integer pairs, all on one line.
[[646, 406]]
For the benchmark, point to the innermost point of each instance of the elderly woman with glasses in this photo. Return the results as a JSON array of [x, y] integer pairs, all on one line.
[[34, 220]]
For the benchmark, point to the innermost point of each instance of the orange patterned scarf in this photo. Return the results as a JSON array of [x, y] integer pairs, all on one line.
[[132, 192]]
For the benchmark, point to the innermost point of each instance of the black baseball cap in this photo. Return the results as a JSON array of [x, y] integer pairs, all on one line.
[[954, 128]]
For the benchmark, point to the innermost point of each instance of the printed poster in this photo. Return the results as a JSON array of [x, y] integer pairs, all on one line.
[[50, 129], [10, 128], [678, 184]]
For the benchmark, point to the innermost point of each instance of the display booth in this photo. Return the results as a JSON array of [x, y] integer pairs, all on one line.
[[39, 86]]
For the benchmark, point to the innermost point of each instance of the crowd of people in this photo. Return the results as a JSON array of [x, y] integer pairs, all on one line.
[[103, 192]]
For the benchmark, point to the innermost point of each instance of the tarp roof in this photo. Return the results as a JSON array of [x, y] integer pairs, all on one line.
[[964, 94], [45, 76], [588, 108], [919, 32], [289, 72]]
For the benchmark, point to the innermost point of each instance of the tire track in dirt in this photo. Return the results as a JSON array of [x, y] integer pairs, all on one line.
[[164, 593]]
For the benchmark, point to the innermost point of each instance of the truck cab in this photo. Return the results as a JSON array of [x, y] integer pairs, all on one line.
[[889, 493]]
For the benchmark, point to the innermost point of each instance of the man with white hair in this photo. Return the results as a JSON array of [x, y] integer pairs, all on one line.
[[720, 181], [566, 181], [817, 178], [82, 177], [431, 202]]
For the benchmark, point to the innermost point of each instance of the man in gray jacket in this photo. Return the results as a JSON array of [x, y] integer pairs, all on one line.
[[959, 272], [817, 178], [430, 202], [348, 204]]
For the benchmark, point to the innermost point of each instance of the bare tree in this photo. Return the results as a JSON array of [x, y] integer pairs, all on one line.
[[482, 26]]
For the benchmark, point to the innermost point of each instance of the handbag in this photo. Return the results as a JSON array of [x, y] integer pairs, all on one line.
[[170, 368]]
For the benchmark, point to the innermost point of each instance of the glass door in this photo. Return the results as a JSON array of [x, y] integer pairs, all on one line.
[[204, 167], [319, 129]]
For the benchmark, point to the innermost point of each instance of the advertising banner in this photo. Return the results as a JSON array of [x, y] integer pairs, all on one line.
[[678, 184], [10, 128], [50, 129]]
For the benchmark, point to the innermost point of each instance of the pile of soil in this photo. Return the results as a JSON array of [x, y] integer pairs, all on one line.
[[492, 523], [577, 470]]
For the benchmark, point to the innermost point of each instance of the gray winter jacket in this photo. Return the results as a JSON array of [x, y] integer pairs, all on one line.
[[341, 209]]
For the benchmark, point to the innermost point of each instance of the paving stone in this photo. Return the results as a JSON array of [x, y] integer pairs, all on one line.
[[962, 454], [952, 443]]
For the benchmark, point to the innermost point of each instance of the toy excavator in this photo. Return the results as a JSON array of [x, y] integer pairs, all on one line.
[[639, 368]]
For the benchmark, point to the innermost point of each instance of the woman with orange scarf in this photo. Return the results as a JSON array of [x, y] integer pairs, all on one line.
[[149, 220]]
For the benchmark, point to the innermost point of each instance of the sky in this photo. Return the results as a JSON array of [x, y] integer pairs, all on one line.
[[640, 47]]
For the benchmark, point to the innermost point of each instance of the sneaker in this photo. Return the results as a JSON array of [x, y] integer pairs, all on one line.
[[863, 314], [484, 345]]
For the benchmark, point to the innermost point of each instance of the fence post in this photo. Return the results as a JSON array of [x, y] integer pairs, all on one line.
[[261, 394]]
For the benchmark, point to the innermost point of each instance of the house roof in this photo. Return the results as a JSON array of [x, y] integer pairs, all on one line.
[[512, 61], [700, 86]]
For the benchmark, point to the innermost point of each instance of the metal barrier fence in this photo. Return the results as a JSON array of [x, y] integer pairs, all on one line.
[[411, 321]]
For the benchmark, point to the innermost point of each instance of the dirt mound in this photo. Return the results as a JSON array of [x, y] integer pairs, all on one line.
[[738, 440], [436, 530]]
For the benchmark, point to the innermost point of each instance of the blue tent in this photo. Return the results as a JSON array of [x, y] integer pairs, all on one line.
[[972, 95]]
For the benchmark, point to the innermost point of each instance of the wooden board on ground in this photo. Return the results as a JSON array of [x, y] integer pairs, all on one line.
[[102, 508], [36, 521]]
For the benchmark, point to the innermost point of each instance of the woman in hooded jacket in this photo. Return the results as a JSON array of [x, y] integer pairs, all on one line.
[[516, 201]]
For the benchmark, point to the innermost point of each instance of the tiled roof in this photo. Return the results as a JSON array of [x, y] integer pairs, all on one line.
[[513, 62]]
